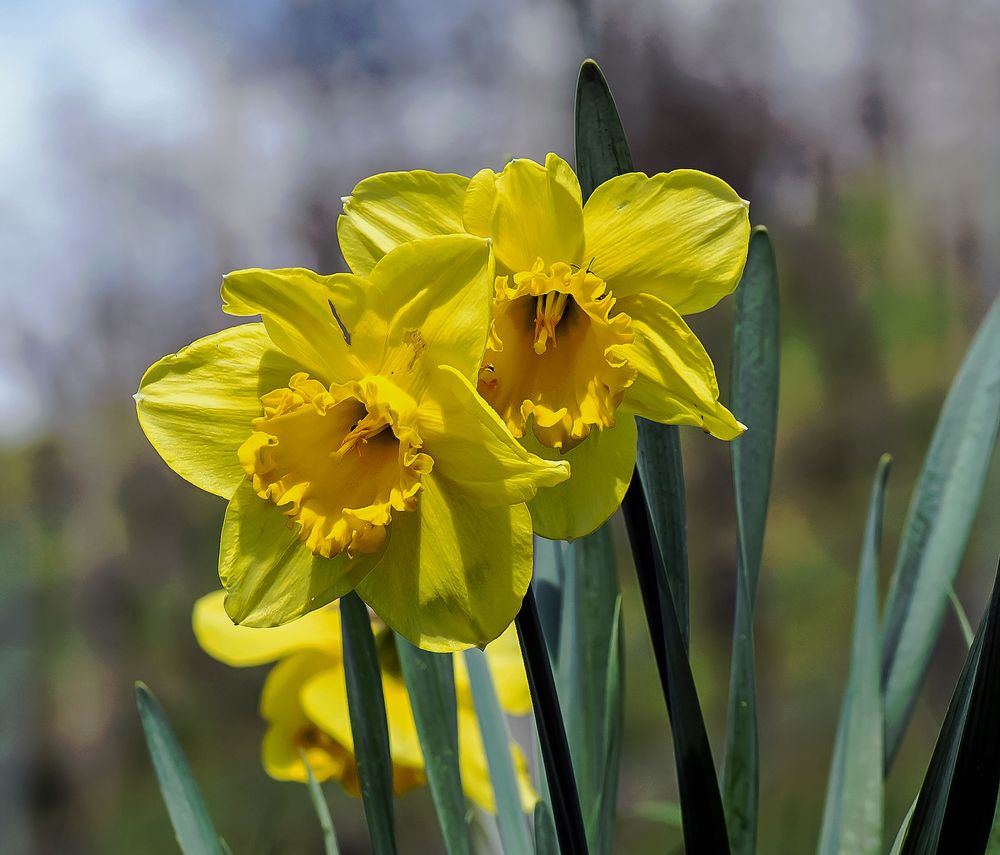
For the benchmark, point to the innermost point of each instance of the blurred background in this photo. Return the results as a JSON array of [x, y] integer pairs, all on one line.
[[153, 145]]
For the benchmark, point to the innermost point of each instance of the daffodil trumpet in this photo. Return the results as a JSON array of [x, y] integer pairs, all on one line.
[[587, 329], [346, 432]]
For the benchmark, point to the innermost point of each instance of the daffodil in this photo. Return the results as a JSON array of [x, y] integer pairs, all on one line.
[[587, 303], [304, 700], [347, 434]]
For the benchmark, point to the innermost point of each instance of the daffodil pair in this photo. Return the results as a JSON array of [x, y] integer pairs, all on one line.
[[304, 700], [586, 329], [388, 430]]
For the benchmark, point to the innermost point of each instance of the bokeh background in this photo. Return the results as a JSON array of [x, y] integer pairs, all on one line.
[[150, 146]]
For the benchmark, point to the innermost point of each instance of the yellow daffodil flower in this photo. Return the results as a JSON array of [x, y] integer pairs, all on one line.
[[587, 303], [347, 434], [304, 700]]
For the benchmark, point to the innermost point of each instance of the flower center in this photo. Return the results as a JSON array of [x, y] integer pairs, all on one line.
[[553, 355], [342, 458]]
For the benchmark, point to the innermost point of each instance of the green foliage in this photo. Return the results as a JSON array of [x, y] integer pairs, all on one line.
[[430, 682], [852, 818], [754, 399], [941, 513], [188, 814], [956, 805], [496, 741], [368, 725], [322, 809]]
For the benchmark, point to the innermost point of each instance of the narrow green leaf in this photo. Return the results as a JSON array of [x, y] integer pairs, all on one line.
[[852, 819], [754, 400], [545, 703], [321, 807], [591, 701], [701, 801], [937, 528], [430, 681], [366, 705], [601, 148], [497, 742], [904, 827], [961, 617], [545, 831], [958, 799], [602, 152], [188, 814]]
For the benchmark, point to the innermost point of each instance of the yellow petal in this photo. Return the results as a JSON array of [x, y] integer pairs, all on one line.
[[530, 211], [269, 574], [676, 379], [682, 236], [322, 322], [243, 645], [601, 466], [473, 448], [196, 406], [454, 572], [395, 207], [435, 297], [324, 699], [503, 658], [290, 730], [475, 771]]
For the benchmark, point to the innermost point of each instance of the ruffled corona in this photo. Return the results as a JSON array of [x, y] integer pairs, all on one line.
[[342, 458], [553, 354]]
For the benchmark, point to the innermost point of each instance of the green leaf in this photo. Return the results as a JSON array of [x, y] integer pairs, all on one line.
[[588, 677], [957, 801], [961, 617], [546, 708], [497, 742], [852, 819], [545, 831], [188, 814], [904, 827], [601, 148], [754, 400], [366, 705], [701, 801], [430, 682], [321, 807], [937, 528]]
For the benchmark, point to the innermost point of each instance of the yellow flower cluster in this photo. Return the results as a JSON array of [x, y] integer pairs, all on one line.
[[304, 700], [401, 430]]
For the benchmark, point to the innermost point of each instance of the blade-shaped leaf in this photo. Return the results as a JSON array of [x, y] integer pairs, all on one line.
[[321, 807], [430, 682], [602, 151], [957, 801], [545, 831], [559, 775], [366, 705], [754, 399], [852, 818], [589, 694], [701, 801], [188, 814], [937, 528], [496, 741]]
